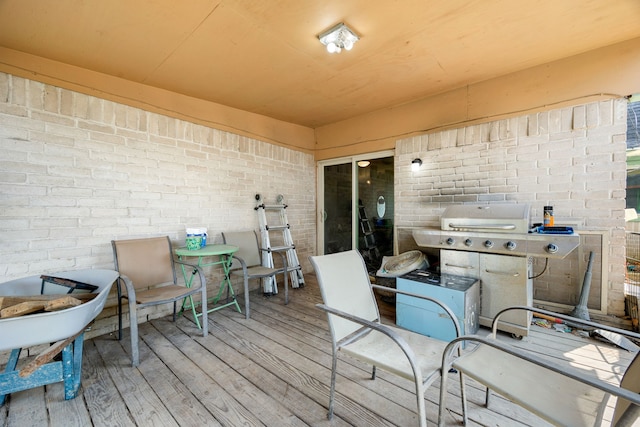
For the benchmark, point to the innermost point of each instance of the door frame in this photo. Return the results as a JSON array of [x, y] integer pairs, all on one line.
[[354, 193]]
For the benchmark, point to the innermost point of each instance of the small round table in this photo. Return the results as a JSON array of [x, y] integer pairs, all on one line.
[[224, 254]]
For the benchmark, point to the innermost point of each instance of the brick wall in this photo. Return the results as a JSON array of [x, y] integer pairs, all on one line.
[[572, 158], [78, 171]]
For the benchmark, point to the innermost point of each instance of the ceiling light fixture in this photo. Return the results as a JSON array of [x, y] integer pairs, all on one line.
[[338, 38], [415, 164], [364, 163]]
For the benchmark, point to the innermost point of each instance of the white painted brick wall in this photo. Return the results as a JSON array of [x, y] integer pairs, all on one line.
[[77, 171], [572, 158]]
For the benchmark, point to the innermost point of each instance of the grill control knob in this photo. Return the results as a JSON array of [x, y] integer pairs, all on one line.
[[468, 242], [552, 248], [510, 245], [488, 244], [450, 241]]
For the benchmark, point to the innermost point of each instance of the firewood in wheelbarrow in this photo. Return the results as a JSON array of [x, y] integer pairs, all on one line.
[[61, 303], [21, 309]]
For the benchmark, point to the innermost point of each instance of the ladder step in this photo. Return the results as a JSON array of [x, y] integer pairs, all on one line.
[[277, 227], [280, 248], [287, 247]]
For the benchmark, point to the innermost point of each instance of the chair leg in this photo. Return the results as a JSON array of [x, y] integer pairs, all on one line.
[[463, 396], [133, 327], [246, 297], [205, 312], [422, 412], [443, 395], [332, 391], [119, 309]]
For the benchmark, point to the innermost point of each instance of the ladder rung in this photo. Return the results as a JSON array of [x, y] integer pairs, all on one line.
[[281, 248], [277, 227], [272, 207]]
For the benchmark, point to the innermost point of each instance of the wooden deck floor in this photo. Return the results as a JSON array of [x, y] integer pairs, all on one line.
[[271, 370]]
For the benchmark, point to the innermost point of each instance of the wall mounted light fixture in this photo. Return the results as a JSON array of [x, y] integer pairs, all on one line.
[[338, 38], [415, 164], [364, 163]]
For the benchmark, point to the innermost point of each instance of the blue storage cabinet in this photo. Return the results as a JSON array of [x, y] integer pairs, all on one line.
[[460, 294]]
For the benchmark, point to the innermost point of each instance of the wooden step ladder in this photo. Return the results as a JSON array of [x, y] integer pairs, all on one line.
[[275, 233]]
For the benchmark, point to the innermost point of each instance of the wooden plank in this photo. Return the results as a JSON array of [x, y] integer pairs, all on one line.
[[68, 413], [311, 379], [46, 356], [145, 407], [212, 406], [61, 303], [21, 309], [15, 299], [28, 408], [268, 410], [103, 401]]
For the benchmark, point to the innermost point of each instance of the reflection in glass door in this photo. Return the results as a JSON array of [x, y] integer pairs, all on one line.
[[337, 208], [356, 206], [375, 210]]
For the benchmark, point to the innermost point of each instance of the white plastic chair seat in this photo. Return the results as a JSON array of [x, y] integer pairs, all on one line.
[[560, 394], [556, 398], [377, 349]]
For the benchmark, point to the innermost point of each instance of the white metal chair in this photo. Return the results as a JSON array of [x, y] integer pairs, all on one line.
[[147, 268], [356, 330], [559, 394], [247, 262]]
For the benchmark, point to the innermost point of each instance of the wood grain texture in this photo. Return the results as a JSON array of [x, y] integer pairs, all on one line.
[[270, 370]]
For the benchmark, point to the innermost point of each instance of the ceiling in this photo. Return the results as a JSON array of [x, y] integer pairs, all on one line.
[[263, 56]]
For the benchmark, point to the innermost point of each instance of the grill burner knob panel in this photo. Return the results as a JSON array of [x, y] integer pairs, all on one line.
[[510, 245], [552, 248], [468, 242], [488, 244]]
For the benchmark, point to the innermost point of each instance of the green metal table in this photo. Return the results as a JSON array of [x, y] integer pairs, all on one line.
[[222, 255]]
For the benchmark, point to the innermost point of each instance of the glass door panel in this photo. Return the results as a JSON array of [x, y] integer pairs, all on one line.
[[375, 210], [337, 215]]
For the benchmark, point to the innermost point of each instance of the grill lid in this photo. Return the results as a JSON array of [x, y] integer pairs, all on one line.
[[501, 218]]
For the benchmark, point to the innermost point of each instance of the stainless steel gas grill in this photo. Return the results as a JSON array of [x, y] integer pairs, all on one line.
[[495, 243]]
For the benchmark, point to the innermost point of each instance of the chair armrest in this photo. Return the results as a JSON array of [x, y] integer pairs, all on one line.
[[571, 321], [563, 370], [201, 276], [128, 284], [282, 252], [452, 316], [401, 342]]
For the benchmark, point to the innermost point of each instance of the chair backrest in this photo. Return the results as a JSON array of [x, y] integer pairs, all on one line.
[[630, 381], [249, 250], [147, 262], [344, 284]]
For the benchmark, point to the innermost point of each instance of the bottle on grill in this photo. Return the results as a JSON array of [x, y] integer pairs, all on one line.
[[548, 216]]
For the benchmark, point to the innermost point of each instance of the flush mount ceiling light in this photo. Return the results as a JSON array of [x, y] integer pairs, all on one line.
[[338, 38], [415, 164], [364, 163]]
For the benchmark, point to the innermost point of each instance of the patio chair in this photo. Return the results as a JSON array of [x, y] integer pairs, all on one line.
[[560, 394], [247, 263], [147, 268], [354, 322]]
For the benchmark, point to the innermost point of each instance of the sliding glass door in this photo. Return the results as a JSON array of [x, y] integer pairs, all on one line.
[[356, 200]]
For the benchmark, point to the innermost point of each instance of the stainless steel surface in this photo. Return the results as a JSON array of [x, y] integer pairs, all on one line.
[[493, 243], [528, 244], [500, 218]]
